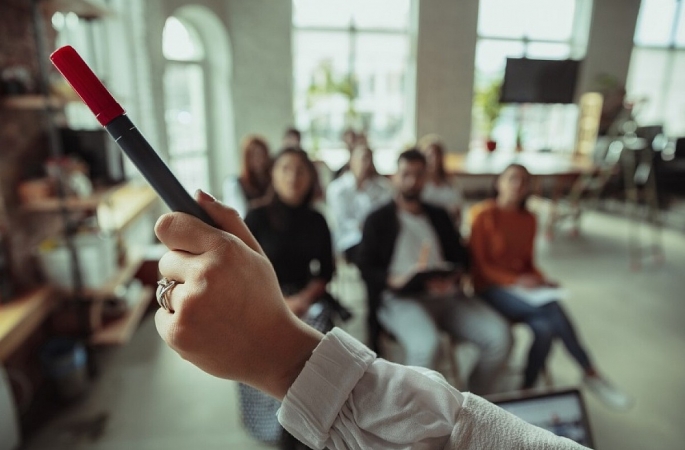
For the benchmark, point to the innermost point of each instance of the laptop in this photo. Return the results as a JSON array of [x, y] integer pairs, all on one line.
[[562, 412]]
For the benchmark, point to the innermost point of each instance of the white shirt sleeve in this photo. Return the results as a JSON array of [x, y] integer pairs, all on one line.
[[346, 398]]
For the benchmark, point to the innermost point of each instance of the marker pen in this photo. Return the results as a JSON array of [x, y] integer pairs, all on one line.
[[113, 117]]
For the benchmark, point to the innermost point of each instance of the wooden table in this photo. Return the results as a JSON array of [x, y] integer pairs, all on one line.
[[482, 164], [21, 317], [562, 169]]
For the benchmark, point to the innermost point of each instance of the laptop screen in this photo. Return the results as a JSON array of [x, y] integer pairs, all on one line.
[[562, 412]]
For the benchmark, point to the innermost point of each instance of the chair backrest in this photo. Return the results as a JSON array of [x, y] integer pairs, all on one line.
[[679, 148]]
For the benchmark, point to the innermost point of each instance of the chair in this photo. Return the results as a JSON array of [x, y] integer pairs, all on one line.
[[385, 344]]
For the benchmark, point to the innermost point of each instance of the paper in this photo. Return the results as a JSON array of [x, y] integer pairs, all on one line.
[[538, 296]]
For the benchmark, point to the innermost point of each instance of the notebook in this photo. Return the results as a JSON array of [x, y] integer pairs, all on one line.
[[561, 412]]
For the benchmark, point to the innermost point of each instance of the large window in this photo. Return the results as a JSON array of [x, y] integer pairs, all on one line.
[[352, 68], [538, 29], [185, 104], [656, 84]]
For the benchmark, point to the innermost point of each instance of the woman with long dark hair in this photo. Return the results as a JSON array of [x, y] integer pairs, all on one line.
[[297, 241], [440, 188], [253, 183], [506, 276]]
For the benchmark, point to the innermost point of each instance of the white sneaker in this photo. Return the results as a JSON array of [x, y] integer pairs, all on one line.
[[609, 394]]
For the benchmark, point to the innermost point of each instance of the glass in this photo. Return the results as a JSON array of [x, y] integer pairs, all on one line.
[[680, 32], [192, 172], [534, 19], [185, 108], [655, 23], [646, 83], [545, 50], [674, 113], [491, 57], [181, 42], [387, 14], [380, 74]]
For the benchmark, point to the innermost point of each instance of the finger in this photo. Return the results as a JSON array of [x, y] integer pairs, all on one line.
[[165, 324], [177, 265], [227, 219], [175, 297], [179, 231]]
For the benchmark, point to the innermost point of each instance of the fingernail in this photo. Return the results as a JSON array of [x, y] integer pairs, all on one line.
[[204, 196]]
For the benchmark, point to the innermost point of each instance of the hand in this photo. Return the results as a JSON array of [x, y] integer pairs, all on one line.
[[229, 317], [298, 304], [397, 282], [440, 286], [529, 281]]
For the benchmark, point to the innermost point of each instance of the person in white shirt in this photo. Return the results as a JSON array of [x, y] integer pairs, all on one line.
[[253, 183], [351, 198], [440, 189], [227, 316]]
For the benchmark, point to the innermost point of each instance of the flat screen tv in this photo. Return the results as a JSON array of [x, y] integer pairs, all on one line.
[[539, 81]]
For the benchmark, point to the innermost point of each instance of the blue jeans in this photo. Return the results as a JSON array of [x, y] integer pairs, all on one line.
[[546, 321]]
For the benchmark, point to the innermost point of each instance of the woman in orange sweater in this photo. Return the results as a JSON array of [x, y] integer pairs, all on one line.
[[502, 240]]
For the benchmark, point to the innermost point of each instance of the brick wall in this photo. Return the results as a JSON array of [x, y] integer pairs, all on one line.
[[23, 141]]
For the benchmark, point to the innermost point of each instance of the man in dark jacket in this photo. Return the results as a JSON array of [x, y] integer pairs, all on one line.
[[403, 238]]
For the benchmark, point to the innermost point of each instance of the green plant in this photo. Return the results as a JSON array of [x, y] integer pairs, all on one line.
[[325, 84], [487, 100]]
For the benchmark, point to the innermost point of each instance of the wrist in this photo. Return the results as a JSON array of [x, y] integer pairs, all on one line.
[[292, 357]]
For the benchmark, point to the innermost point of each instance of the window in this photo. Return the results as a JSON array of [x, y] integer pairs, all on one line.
[[655, 83], [539, 29], [351, 68], [87, 37], [185, 104]]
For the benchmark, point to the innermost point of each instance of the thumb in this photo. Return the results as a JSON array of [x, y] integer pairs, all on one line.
[[227, 219]]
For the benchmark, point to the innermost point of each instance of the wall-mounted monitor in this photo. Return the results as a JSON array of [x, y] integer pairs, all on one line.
[[539, 81]]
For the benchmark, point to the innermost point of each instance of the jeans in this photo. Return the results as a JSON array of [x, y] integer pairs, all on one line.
[[547, 322], [415, 323]]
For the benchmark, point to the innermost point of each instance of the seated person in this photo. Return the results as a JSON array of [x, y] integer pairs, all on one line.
[[254, 182], [352, 197], [440, 189], [297, 241], [406, 236], [502, 241], [291, 138], [351, 139], [227, 316]]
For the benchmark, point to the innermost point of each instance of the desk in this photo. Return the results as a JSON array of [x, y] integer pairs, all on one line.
[[21, 317], [562, 169], [482, 164]]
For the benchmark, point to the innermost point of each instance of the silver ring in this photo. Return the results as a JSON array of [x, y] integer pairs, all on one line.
[[164, 286]]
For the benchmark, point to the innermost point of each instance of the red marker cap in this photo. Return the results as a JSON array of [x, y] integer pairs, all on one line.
[[86, 84]]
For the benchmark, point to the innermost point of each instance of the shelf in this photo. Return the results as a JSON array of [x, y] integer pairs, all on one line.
[[117, 206], [124, 206], [20, 317], [53, 204], [121, 330], [123, 276], [85, 9], [31, 102]]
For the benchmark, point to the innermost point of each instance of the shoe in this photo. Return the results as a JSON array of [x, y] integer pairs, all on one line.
[[609, 394]]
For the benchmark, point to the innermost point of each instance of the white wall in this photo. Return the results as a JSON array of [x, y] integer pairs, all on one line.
[[259, 98], [446, 51], [260, 32]]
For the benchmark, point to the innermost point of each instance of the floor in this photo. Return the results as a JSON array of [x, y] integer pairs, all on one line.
[[147, 398]]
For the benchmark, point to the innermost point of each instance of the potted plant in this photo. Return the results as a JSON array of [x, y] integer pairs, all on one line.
[[487, 100], [323, 86]]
